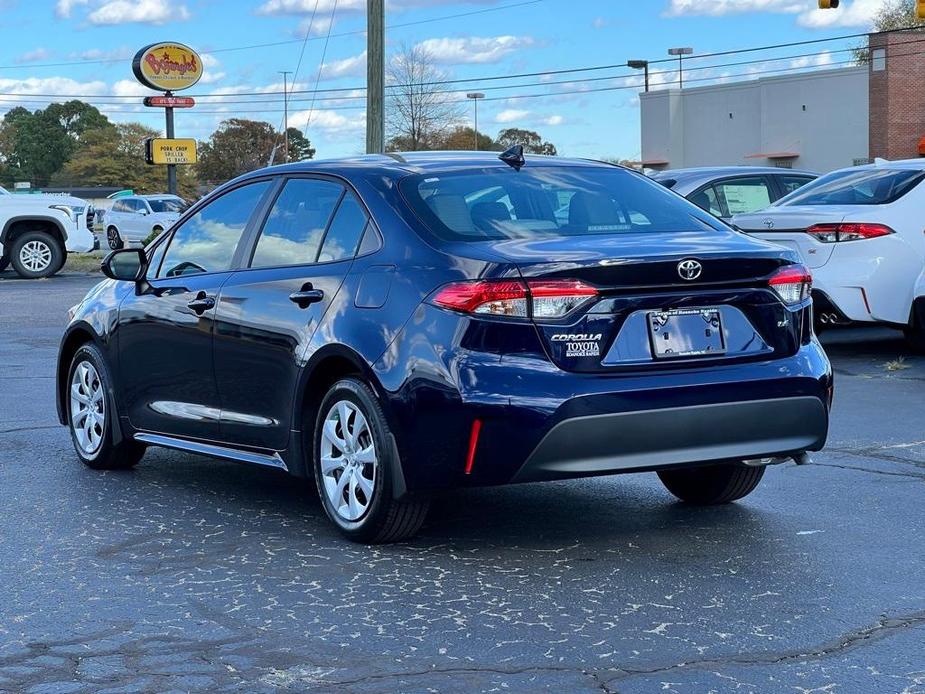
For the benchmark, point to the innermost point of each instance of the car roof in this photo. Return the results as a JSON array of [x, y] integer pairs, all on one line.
[[706, 172], [404, 163], [908, 164]]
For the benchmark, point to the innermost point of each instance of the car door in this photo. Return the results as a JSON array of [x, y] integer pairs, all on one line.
[[131, 220], [268, 312], [164, 336]]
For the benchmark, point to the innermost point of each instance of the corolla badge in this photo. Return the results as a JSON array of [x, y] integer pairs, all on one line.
[[689, 269]]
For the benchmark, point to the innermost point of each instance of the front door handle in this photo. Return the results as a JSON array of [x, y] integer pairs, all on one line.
[[306, 296], [201, 303]]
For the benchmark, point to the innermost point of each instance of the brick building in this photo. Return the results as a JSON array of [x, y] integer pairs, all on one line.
[[897, 94]]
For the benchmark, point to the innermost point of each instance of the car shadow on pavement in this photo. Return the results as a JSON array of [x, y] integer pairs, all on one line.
[[596, 513]]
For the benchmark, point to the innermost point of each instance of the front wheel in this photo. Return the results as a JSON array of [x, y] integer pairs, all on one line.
[[92, 413], [36, 254], [714, 484], [354, 461]]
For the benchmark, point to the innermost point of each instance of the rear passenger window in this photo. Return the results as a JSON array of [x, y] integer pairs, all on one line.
[[706, 199], [343, 237], [744, 195], [789, 184], [294, 229]]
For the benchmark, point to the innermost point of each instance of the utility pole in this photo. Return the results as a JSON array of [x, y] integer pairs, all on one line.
[[640, 65], [681, 52], [285, 74], [375, 76]]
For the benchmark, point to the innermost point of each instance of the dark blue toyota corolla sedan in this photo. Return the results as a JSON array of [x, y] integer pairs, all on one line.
[[398, 325]]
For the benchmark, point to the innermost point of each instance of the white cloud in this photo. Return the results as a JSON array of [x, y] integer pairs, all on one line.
[[354, 66], [111, 55], [333, 124], [63, 8], [599, 23], [859, 13], [281, 7], [510, 115], [52, 85], [553, 120], [138, 11], [34, 56], [474, 49], [852, 13]]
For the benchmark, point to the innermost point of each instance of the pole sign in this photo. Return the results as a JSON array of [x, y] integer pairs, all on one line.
[[170, 101], [167, 66], [170, 150]]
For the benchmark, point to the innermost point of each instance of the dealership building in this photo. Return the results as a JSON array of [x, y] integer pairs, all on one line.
[[819, 120]]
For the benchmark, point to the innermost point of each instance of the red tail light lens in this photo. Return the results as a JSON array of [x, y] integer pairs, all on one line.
[[792, 284], [854, 231], [535, 298]]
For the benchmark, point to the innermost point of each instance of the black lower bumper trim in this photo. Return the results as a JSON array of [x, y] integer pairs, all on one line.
[[656, 439]]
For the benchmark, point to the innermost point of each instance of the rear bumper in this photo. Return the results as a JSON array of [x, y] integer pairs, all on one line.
[[656, 439]]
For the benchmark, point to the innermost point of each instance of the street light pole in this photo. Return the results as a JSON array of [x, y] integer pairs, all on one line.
[[681, 52], [375, 76], [475, 96], [640, 65], [285, 74]]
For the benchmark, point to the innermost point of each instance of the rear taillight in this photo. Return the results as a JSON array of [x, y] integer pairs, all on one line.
[[514, 298], [792, 284], [848, 231]]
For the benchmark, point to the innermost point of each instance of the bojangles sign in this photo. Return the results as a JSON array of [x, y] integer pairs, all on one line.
[[167, 66]]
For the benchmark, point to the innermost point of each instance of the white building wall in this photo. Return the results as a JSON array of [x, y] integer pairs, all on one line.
[[821, 116]]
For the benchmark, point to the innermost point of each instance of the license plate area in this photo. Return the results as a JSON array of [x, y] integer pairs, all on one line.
[[685, 333]]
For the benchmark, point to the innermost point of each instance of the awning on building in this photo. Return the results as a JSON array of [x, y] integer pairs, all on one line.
[[773, 155]]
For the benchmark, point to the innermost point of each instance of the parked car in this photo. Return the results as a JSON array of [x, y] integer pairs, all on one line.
[[860, 232], [726, 191], [37, 232], [374, 324], [133, 218]]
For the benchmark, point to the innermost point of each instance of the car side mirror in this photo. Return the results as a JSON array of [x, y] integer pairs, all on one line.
[[127, 265], [142, 212]]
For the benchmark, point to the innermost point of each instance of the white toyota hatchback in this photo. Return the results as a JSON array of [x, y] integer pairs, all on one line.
[[862, 233]]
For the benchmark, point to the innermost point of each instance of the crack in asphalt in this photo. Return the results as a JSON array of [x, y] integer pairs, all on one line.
[[884, 628], [871, 471], [36, 428], [875, 452]]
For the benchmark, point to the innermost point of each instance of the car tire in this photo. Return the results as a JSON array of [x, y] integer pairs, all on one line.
[[713, 484], [36, 254], [113, 238], [354, 468], [91, 413]]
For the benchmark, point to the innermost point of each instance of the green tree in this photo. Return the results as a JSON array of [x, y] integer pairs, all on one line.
[[114, 156], [236, 147], [463, 138], [300, 147], [532, 141], [35, 145]]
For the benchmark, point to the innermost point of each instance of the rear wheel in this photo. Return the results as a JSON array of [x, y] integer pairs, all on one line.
[[113, 238], [91, 414], [354, 462], [36, 254], [714, 484]]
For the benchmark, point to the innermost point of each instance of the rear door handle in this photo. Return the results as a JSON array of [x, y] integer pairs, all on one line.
[[306, 296], [201, 303]]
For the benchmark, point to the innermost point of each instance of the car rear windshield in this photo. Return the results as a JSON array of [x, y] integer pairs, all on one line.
[[856, 187], [535, 202]]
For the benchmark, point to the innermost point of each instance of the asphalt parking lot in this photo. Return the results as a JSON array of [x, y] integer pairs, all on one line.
[[189, 574]]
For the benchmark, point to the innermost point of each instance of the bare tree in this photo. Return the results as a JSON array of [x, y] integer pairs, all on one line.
[[892, 15], [419, 111]]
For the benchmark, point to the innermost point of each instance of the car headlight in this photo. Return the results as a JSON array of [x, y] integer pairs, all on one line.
[[68, 210]]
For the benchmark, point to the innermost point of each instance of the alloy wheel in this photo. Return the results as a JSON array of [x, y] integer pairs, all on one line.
[[348, 460], [35, 256], [88, 408], [112, 236]]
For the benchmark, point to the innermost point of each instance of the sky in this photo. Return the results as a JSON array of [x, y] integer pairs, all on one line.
[[55, 49]]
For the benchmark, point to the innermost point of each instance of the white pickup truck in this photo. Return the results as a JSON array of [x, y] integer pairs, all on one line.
[[38, 231]]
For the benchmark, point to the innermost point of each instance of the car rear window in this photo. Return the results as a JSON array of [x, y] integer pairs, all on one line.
[[535, 202], [878, 186]]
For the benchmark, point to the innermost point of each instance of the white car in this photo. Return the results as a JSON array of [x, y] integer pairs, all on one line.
[[860, 231], [133, 218], [37, 232]]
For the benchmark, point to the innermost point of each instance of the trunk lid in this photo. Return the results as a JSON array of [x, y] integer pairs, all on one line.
[[638, 278], [787, 225]]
